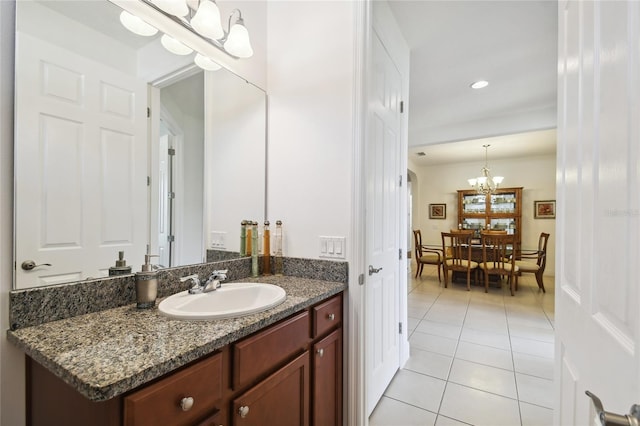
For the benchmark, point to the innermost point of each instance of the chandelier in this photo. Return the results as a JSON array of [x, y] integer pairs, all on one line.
[[485, 184]]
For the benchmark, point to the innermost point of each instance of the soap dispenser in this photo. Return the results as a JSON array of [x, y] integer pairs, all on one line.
[[121, 267], [146, 284]]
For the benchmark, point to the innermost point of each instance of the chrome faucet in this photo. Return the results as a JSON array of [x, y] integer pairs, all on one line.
[[212, 283]]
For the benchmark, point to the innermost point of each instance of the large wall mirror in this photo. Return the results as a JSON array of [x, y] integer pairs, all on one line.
[[121, 145]]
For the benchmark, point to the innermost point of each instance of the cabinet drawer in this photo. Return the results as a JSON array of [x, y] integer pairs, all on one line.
[[160, 403], [327, 315], [262, 352]]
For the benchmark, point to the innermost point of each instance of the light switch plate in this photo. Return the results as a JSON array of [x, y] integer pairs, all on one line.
[[332, 247]]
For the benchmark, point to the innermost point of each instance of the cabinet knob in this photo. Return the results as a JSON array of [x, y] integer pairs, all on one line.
[[331, 317], [243, 411], [320, 352], [186, 403]]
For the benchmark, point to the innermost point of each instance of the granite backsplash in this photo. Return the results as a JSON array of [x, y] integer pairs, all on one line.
[[39, 305]]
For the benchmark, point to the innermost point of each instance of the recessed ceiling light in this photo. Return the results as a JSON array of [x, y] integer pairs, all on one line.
[[479, 84]]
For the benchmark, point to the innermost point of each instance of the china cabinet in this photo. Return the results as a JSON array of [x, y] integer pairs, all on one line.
[[501, 210]]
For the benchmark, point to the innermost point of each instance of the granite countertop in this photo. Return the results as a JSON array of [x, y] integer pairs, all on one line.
[[107, 353]]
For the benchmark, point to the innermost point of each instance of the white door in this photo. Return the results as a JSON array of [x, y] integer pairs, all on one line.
[[597, 298], [164, 200], [382, 152], [82, 158]]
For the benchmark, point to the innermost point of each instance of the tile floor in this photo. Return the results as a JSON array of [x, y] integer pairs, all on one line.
[[476, 358]]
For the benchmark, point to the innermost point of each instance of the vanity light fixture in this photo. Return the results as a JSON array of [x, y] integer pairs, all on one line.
[[237, 40], [485, 184], [136, 25], [203, 18], [173, 7], [206, 63], [174, 46], [207, 22], [480, 84]]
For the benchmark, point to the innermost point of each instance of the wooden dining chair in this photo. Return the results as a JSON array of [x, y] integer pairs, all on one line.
[[457, 246], [498, 258], [425, 255], [535, 261]]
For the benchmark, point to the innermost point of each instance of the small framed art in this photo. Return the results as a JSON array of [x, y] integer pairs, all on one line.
[[437, 211], [544, 209]]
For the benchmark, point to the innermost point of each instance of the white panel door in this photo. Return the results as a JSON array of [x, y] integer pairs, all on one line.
[[81, 165], [597, 297], [382, 222]]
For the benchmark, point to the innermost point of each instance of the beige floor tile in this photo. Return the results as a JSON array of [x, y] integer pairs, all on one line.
[[479, 408], [416, 389], [533, 415], [486, 355], [429, 363], [437, 344], [535, 390]]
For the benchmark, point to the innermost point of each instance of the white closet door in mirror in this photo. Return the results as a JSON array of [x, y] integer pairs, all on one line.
[[81, 165]]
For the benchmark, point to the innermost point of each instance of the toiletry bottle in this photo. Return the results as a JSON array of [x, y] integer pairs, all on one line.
[[266, 250], [254, 250], [121, 267], [243, 238], [146, 284], [249, 238], [278, 249]]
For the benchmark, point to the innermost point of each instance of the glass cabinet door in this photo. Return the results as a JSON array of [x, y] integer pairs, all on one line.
[[503, 224], [503, 203], [474, 204]]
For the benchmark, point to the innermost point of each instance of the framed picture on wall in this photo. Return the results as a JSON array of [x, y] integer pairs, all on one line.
[[437, 211], [544, 209]]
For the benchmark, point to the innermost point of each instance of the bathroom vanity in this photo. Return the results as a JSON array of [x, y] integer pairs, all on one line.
[[125, 366]]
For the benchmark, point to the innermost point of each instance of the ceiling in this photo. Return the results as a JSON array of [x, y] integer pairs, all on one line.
[[512, 45]]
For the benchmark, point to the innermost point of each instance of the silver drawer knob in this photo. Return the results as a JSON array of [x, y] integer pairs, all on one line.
[[320, 352], [331, 317], [243, 411], [186, 403]]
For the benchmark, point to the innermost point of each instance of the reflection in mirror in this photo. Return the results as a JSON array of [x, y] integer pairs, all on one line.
[[84, 147]]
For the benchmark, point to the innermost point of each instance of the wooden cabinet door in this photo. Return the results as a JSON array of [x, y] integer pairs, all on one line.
[[326, 394], [281, 399]]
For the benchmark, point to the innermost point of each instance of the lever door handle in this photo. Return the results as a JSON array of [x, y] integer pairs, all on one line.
[[373, 270], [28, 265], [612, 419]]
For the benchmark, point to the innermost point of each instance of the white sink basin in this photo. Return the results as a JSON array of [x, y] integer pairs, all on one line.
[[229, 301]]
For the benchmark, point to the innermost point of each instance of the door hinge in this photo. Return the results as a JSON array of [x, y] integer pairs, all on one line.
[[171, 238], [399, 254], [400, 181], [148, 112], [148, 180], [401, 107], [171, 195], [400, 327], [171, 151], [361, 279]]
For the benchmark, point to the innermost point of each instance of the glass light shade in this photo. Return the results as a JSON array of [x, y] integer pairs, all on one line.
[[472, 182], [206, 63], [207, 20], [482, 180], [174, 7], [174, 46], [238, 43], [498, 179], [137, 25]]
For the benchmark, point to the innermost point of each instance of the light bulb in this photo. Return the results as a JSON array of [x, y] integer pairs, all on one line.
[[174, 7], [238, 43], [136, 25], [174, 46], [206, 63], [207, 20], [472, 182], [498, 179]]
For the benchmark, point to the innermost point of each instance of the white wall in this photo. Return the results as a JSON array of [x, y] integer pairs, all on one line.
[[311, 121], [11, 359], [438, 184]]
